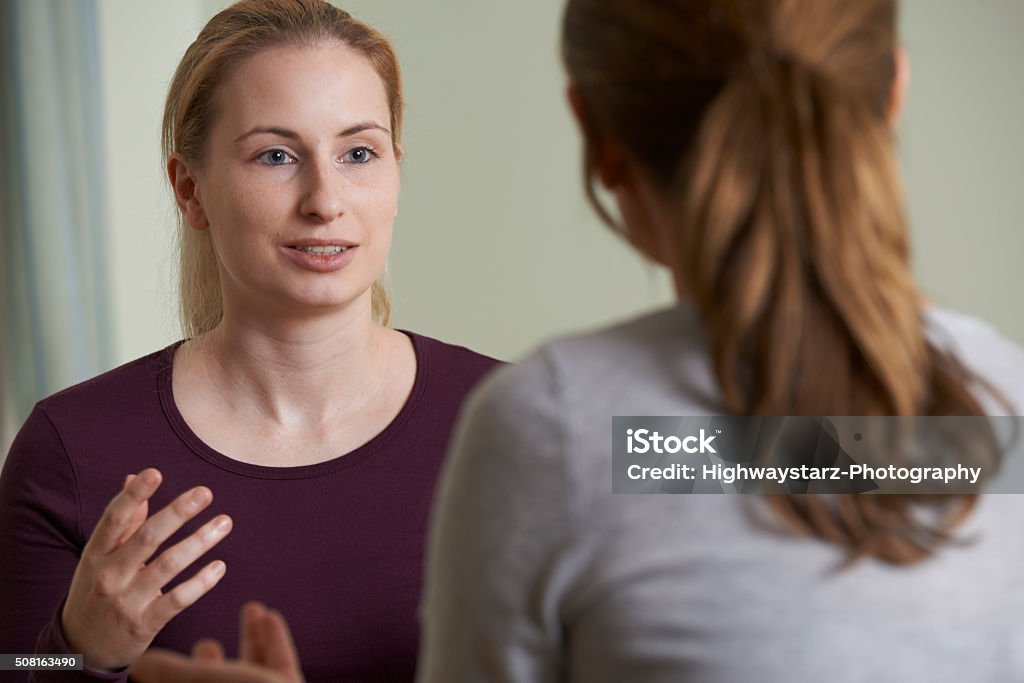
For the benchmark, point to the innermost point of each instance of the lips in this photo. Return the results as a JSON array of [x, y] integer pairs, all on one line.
[[321, 255]]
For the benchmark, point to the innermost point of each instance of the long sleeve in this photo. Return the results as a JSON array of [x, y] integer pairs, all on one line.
[[500, 554], [40, 543]]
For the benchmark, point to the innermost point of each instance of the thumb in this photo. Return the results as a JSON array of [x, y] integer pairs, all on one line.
[[157, 666]]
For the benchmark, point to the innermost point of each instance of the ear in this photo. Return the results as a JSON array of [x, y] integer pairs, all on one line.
[[399, 153], [900, 83], [609, 160], [634, 197], [186, 192]]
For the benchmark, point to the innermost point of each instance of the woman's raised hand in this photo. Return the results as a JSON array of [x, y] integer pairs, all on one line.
[[116, 606]]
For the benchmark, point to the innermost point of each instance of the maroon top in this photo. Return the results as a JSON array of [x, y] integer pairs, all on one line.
[[337, 546]]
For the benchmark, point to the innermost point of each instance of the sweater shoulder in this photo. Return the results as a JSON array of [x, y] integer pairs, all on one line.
[[455, 365], [985, 351], [106, 393]]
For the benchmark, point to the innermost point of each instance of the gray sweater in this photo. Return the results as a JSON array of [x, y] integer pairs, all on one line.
[[537, 572]]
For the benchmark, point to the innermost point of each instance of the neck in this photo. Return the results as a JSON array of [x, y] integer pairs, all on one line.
[[295, 372]]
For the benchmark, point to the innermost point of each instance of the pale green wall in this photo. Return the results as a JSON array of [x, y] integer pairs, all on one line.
[[962, 140], [141, 44], [495, 247]]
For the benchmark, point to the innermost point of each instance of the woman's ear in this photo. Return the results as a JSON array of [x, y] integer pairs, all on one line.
[[638, 205], [186, 192], [900, 84], [610, 162]]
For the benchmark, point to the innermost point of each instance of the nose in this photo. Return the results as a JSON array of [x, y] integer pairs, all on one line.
[[323, 198]]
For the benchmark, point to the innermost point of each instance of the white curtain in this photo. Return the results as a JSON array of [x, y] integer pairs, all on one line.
[[55, 298]]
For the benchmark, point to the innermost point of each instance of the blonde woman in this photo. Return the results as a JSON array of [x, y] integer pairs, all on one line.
[[311, 431]]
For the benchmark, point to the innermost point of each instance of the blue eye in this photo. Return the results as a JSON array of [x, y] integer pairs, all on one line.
[[276, 157], [359, 155]]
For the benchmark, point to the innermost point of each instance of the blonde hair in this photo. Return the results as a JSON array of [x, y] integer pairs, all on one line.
[[766, 122], [240, 31]]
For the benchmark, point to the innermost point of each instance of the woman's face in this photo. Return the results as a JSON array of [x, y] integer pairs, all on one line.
[[300, 182]]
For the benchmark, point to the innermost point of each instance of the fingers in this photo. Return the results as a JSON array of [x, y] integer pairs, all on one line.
[[137, 519], [166, 607], [266, 632], [209, 651], [250, 632], [141, 546], [114, 607], [266, 641], [175, 559], [121, 512], [279, 648]]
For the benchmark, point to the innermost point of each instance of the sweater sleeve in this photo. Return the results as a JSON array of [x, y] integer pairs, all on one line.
[[501, 555], [41, 541]]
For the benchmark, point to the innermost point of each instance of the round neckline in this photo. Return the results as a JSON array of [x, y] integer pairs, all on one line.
[[340, 462]]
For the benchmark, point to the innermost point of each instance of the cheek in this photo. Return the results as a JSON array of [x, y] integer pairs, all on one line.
[[378, 204], [244, 221], [250, 207]]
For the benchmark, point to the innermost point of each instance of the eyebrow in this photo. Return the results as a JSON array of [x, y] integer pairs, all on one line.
[[286, 133]]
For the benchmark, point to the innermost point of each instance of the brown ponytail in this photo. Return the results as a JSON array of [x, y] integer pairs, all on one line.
[[794, 245], [767, 122]]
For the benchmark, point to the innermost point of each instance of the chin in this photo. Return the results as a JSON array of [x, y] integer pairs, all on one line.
[[333, 301]]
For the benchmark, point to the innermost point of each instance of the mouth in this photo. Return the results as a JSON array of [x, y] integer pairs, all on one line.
[[325, 250], [321, 255]]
